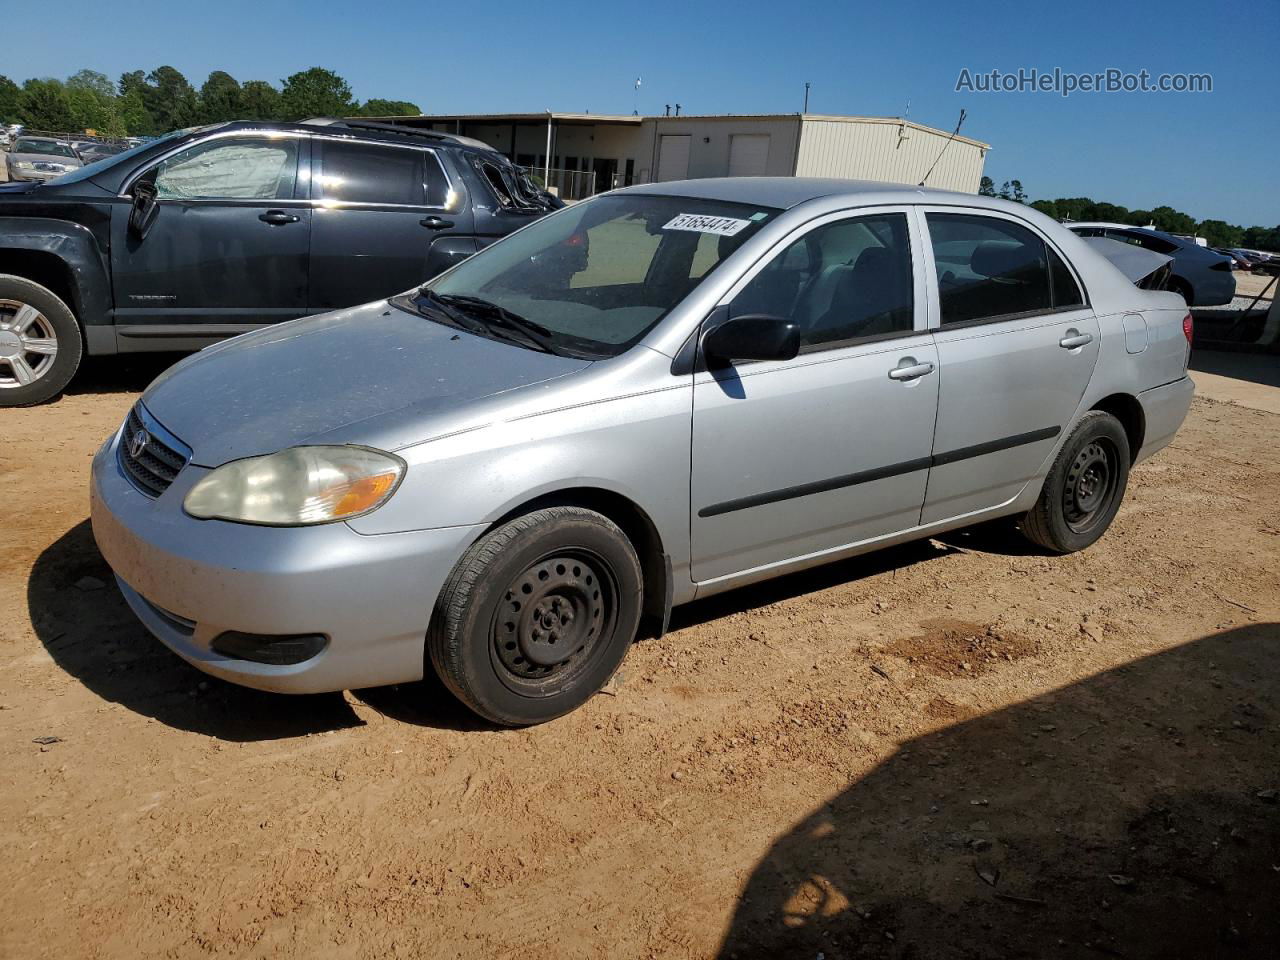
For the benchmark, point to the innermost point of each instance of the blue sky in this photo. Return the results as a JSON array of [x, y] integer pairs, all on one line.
[[1211, 154]]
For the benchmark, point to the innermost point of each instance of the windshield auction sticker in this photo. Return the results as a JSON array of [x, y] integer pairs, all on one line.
[[724, 226]]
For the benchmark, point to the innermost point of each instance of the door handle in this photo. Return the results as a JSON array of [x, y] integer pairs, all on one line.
[[277, 218], [436, 223], [1075, 339], [908, 369]]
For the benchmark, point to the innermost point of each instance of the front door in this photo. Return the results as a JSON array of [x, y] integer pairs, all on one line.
[[387, 218], [228, 249], [1017, 343], [801, 457]]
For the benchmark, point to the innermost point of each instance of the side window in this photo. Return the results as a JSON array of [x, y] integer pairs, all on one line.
[[840, 282], [364, 173], [249, 169], [1066, 292], [987, 268]]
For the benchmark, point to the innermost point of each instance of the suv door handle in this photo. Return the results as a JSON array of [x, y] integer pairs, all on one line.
[[436, 223], [277, 218], [908, 369], [1075, 339]]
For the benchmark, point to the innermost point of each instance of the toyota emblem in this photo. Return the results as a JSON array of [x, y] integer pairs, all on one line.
[[138, 442]]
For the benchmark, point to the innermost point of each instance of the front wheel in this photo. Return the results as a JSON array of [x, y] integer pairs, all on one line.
[[537, 615], [40, 343], [1084, 487]]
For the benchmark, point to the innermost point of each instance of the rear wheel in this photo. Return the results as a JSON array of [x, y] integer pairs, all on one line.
[[1084, 488], [40, 343], [1182, 288], [537, 615]]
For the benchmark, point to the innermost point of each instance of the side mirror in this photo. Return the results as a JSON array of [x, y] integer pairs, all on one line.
[[756, 336], [145, 209]]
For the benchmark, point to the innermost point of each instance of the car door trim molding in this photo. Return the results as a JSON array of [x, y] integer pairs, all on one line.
[[879, 473]]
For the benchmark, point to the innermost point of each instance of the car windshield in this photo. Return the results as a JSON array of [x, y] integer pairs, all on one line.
[[44, 146], [594, 278], [85, 173]]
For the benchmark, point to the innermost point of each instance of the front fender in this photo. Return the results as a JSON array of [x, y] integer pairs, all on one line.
[[76, 248]]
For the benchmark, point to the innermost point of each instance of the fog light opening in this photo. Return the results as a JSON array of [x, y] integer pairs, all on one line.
[[277, 651]]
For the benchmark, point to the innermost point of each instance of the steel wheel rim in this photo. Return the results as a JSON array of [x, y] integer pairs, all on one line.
[[553, 621], [28, 344], [1091, 485]]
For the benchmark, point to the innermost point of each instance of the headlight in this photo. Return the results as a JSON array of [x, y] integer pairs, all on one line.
[[298, 486], [25, 165]]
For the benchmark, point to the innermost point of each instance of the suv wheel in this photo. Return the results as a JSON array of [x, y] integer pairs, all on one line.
[[537, 615], [1085, 485], [40, 343]]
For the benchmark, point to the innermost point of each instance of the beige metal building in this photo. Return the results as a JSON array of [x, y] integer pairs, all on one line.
[[581, 154]]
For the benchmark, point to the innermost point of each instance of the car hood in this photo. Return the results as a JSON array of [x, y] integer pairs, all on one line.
[[312, 380], [70, 162]]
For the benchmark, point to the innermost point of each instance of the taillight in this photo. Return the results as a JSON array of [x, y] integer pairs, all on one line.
[[1188, 327]]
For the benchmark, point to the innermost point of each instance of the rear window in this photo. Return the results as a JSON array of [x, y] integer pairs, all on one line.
[[989, 268]]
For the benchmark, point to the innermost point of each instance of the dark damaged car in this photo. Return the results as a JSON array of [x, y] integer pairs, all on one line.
[[211, 232]]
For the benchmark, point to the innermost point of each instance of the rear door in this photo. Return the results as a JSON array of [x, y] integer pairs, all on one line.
[[387, 218], [228, 249], [1017, 343], [805, 456]]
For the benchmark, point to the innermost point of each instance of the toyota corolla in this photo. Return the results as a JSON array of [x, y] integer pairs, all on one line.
[[659, 394]]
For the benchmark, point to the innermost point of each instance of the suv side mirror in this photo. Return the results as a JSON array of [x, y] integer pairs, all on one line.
[[145, 208], [755, 336]]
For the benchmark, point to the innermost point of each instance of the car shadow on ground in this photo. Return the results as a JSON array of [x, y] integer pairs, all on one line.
[[91, 633], [127, 373], [1133, 814], [999, 537]]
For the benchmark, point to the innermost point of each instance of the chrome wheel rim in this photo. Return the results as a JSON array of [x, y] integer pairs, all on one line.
[[28, 344]]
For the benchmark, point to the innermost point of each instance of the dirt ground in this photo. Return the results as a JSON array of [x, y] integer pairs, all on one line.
[[957, 748]]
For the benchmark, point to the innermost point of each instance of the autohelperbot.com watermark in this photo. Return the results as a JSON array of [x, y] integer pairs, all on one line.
[[1066, 82]]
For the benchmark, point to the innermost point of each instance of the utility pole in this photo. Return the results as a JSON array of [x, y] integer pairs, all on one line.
[[806, 97]]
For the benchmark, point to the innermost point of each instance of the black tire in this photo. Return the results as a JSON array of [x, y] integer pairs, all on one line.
[[28, 377], [1084, 487], [1181, 288], [537, 615]]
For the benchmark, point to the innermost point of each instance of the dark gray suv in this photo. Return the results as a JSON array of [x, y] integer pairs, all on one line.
[[215, 231]]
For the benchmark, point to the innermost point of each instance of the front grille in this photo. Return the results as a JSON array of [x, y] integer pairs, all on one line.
[[157, 463]]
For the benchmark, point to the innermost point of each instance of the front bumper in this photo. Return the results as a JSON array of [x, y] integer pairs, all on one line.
[[190, 580]]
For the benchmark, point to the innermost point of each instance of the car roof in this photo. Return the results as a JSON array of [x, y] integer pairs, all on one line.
[[43, 139], [787, 192], [364, 129]]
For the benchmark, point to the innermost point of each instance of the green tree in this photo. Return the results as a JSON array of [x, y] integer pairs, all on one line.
[[390, 108], [91, 98], [316, 92], [134, 115], [10, 100], [99, 84], [1048, 207], [986, 187], [1172, 221], [220, 98], [259, 100], [170, 99], [45, 107], [1219, 233]]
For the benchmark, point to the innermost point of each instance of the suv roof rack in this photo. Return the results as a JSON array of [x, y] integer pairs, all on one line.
[[356, 124]]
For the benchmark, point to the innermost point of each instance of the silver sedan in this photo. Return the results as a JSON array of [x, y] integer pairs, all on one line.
[[656, 395]]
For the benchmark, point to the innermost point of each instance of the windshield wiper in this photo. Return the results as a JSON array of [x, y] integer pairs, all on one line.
[[437, 303], [536, 333]]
